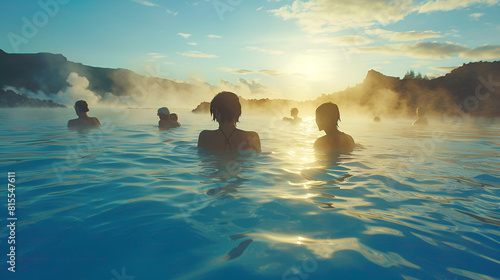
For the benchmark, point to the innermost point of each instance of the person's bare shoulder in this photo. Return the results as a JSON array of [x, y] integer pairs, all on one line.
[[96, 122], [72, 123], [349, 141], [254, 140], [320, 142], [203, 139]]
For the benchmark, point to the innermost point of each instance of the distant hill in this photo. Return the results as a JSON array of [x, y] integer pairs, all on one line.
[[10, 99], [472, 89], [49, 73]]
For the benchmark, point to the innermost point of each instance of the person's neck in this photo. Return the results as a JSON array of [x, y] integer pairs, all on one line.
[[227, 126], [332, 131], [83, 116]]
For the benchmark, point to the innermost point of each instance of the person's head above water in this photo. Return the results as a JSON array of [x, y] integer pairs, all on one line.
[[225, 107], [294, 112], [81, 107], [173, 117], [327, 116], [163, 113]]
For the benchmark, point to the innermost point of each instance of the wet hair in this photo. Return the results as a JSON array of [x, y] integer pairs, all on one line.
[[227, 104], [173, 117], [329, 110], [294, 110], [82, 106]]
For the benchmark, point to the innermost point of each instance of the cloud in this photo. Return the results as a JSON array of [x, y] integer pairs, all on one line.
[[212, 36], [376, 31], [272, 73], [320, 51], [411, 35], [483, 52], [197, 54], [185, 35], [193, 44], [254, 86], [448, 5], [245, 71], [260, 8], [252, 89], [146, 3], [172, 13], [445, 69], [351, 40], [435, 50], [264, 50], [158, 56], [321, 16], [476, 16], [430, 50]]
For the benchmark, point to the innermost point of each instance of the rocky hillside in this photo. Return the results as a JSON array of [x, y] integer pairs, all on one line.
[[10, 99]]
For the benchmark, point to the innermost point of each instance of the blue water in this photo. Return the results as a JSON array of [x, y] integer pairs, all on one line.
[[130, 202]]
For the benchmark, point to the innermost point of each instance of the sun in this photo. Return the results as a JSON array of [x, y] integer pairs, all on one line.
[[311, 67]]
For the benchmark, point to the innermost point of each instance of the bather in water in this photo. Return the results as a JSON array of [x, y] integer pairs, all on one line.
[[295, 117], [421, 119], [226, 110], [327, 118], [167, 120], [83, 121]]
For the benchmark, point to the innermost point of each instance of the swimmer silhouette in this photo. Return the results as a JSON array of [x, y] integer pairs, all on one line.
[[174, 120], [294, 119], [167, 120], [421, 119], [226, 110], [83, 121], [327, 117]]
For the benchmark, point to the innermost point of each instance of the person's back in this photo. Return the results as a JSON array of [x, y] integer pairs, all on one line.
[[327, 117], [83, 121], [337, 140], [226, 110], [87, 122], [174, 120], [239, 140]]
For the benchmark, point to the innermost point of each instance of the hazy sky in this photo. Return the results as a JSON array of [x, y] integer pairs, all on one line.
[[277, 48]]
